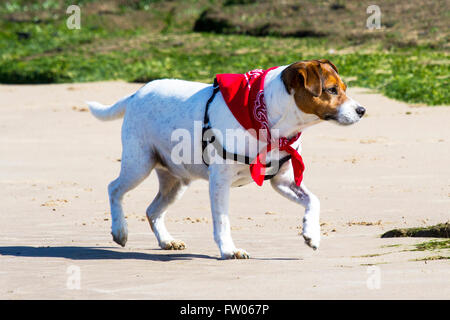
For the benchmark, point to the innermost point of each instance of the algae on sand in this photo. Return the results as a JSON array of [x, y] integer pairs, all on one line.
[[441, 230], [433, 245]]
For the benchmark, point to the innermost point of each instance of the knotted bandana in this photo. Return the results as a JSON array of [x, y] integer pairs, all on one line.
[[244, 96]]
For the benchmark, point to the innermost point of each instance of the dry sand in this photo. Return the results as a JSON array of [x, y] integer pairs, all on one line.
[[390, 170]]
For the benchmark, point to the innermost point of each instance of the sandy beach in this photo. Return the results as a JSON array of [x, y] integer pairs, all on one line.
[[390, 170]]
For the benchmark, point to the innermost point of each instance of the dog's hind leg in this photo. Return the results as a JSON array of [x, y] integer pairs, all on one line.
[[136, 164], [171, 188]]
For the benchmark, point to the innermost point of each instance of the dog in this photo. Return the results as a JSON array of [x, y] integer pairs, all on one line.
[[297, 96]]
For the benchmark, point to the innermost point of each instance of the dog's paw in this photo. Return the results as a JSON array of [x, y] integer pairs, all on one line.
[[173, 245], [120, 235], [236, 254], [312, 240], [311, 232]]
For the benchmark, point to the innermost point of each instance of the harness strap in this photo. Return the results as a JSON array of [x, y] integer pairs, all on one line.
[[224, 153]]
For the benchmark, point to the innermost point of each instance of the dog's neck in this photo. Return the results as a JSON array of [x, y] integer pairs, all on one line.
[[285, 118]]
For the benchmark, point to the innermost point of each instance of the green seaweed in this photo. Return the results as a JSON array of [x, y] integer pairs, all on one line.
[[433, 245], [441, 230]]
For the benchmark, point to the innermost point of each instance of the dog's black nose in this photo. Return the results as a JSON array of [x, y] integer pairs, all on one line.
[[360, 111]]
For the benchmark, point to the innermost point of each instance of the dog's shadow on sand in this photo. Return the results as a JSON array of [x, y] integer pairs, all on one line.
[[104, 253], [94, 253]]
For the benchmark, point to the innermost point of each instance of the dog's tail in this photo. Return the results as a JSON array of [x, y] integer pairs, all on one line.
[[107, 113]]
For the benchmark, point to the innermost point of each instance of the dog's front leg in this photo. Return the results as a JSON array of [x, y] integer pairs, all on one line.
[[284, 184], [219, 191]]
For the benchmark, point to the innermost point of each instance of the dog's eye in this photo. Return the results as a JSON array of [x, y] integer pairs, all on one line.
[[332, 90]]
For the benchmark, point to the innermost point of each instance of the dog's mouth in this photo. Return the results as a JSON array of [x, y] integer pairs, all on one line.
[[328, 117], [340, 120], [348, 113]]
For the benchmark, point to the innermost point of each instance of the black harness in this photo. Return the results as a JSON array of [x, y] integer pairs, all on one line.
[[221, 150]]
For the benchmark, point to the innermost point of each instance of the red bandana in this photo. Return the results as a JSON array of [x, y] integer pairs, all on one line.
[[244, 95]]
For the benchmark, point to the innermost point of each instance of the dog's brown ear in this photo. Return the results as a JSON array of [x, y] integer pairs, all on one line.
[[312, 77], [304, 73], [330, 63]]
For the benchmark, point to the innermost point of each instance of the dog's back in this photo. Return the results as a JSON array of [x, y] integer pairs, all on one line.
[[157, 98]]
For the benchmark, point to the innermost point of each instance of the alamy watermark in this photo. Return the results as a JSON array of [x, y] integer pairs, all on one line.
[[74, 277], [74, 20], [220, 145], [373, 281], [374, 20]]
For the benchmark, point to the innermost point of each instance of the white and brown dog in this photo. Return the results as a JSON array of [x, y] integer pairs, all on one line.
[[296, 96]]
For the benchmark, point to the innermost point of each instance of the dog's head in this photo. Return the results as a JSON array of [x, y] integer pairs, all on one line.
[[318, 89]]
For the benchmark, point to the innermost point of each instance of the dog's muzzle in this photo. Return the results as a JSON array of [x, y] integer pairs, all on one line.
[[349, 112]]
